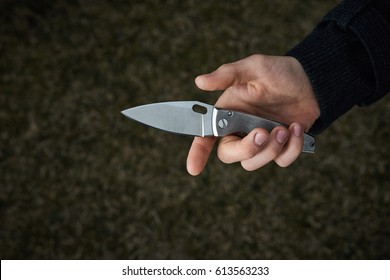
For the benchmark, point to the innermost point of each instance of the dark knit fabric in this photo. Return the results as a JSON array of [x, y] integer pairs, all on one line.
[[347, 58]]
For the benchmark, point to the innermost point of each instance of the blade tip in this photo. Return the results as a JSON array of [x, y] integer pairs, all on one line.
[[124, 112]]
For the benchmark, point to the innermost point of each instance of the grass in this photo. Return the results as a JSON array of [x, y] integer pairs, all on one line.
[[80, 181]]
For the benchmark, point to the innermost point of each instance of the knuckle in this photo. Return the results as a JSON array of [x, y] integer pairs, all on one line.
[[223, 157], [249, 151], [282, 162], [257, 57], [288, 157], [225, 67], [296, 149], [247, 166], [253, 89], [257, 89], [273, 153]]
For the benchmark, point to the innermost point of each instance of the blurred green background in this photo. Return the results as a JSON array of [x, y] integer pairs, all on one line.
[[80, 181]]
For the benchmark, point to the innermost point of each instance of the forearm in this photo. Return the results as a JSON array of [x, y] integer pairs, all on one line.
[[347, 58]]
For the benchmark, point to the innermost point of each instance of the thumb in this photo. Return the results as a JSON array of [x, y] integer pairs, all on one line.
[[226, 76], [217, 80]]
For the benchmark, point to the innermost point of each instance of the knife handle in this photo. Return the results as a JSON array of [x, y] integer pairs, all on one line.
[[231, 122]]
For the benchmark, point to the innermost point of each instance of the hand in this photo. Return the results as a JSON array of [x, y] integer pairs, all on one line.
[[274, 87]]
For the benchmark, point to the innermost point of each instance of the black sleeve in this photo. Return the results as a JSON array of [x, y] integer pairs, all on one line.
[[347, 58]]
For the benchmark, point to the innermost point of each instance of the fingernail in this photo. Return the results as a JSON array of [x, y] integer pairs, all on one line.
[[281, 136], [297, 130], [260, 138]]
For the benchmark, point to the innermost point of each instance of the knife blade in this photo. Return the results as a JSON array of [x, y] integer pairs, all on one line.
[[201, 119]]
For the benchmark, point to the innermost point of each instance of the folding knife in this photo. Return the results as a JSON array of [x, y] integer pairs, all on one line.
[[200, 119]]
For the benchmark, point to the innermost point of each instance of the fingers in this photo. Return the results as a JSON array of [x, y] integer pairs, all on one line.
[[254, 151], [198, 154], [259, 147], [269, 152], [234, 149], [293, 147]]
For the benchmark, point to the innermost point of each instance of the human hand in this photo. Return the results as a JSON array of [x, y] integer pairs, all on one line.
[[274, 87]]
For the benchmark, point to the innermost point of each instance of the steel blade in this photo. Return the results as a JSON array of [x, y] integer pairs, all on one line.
[[183, 117]]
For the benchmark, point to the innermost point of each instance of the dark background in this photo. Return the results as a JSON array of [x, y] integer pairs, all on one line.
[[80, 181]]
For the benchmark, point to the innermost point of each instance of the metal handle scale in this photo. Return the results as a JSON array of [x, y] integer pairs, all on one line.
[[231, 122]]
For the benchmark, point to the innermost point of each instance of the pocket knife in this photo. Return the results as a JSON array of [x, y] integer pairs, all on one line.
[[200, 119]]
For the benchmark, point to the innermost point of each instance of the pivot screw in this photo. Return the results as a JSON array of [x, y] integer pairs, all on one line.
[[222, 123]]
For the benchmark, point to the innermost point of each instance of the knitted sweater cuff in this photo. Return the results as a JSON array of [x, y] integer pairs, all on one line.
[[344, 60]]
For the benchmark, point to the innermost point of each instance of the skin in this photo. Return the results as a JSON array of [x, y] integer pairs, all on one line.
[[274, 87]]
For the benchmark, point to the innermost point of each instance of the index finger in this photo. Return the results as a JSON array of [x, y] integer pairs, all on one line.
[[199, 154]]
